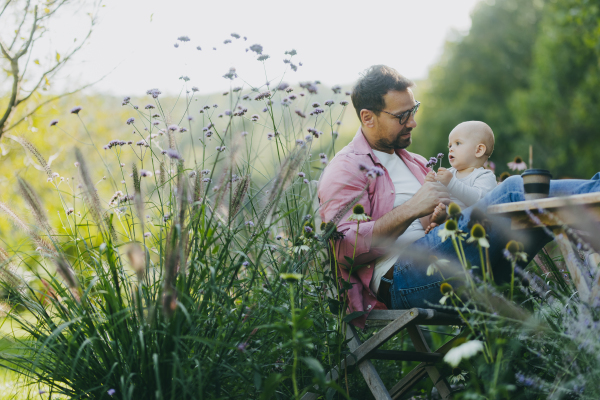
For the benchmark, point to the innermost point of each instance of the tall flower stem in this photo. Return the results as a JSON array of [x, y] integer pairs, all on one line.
[[294, 339]]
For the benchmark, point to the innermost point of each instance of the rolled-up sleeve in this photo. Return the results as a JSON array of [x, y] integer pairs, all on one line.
[[341, 184]]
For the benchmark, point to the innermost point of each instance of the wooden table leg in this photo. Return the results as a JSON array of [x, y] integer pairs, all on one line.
[[566, 249]]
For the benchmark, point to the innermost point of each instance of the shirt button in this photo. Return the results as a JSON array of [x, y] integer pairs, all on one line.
[[392, 192]]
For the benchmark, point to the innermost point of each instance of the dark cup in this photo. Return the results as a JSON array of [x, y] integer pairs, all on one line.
[[536, 183]]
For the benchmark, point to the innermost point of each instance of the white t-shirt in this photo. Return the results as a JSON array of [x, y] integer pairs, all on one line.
[[406, 185], [469, 190]]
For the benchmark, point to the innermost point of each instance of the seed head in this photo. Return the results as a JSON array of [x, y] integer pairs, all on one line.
[[478, 232], [454, 209], [451, 225], [358, 209], [446, 288]]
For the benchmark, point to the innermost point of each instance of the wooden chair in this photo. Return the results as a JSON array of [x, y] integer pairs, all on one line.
[[394, 322]]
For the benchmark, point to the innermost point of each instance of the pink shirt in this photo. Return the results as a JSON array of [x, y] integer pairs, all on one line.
[[341, 182]]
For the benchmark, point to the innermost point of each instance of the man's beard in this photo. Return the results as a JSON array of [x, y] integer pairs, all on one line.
[[398, 142]]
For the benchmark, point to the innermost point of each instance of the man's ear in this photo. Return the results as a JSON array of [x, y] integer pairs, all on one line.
[[480, 150], [367, 118]]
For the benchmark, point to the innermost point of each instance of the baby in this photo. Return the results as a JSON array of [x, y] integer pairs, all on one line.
[[470, 144]]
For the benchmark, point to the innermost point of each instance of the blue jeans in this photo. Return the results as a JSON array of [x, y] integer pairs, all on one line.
[[413, 288]]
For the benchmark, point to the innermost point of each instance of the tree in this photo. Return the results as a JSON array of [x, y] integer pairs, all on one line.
[[559, 110], [22, 26], [477, 76]]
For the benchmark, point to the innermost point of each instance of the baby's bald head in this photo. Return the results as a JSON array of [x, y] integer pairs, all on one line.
[[481, 132]]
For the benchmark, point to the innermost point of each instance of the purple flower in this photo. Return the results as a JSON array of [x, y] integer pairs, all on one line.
[[278, 237], [299, 142], [315, 105], [283, 86], [270, 136], [205, 171], [378, 171], [263, 57], [242, 347], [300, 113], [440, 155], [154, 93], [301, 174], [227, 41], [317, 111], [182, 129], [183, 39], [344, 103], [75, 110], [257, 48], [176, 45], [231, 75], [208, 134], [53, 122], [308, 229], [250, 224], [126, 100], [174, 155], [227, 112], [130, 121], [348, 93], [198, 48], [144, 173], [173, 127], [305, 181], [220, 148], [265, 109], [245, 264], [336, 89], [235, 35], [329, 103], [149, 106], [110, 392], [244, 133]]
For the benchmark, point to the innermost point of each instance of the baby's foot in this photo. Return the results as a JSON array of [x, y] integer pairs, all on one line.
[[439, 214], [430, 227]]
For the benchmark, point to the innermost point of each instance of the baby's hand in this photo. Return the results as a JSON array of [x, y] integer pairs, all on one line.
[[430, 177], [444, 176]]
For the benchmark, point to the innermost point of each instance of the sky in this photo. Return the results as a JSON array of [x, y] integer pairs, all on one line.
[[335, 40]]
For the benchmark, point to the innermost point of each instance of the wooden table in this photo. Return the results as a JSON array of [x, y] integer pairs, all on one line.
[[559, 214]]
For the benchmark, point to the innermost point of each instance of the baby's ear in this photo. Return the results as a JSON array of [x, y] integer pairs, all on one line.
[[480, 150]]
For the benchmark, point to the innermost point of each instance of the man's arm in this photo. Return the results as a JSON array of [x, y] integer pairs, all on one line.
[[395, 223]]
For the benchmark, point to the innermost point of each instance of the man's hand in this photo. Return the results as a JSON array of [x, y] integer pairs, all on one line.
[[428, 198], [394, 223], [444, 176], [430, 177]]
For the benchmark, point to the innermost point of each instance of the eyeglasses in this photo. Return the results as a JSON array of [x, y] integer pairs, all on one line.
[[404, 116]]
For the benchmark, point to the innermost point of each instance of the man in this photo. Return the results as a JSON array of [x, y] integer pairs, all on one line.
[[376, 171]]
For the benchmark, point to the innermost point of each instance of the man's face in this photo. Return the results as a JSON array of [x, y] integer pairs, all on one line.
[[390, 134]]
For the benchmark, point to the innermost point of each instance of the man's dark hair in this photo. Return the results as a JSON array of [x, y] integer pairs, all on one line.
[[374, 84]]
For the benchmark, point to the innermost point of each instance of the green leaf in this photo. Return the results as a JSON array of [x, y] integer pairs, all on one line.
[[314, 365], [334, 306], [257, 380], [271, 384], [353, 315]]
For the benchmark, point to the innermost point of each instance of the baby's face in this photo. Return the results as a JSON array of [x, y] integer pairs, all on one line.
[[462, 147]]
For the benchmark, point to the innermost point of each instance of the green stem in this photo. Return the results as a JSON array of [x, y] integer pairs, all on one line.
[[295, 365]]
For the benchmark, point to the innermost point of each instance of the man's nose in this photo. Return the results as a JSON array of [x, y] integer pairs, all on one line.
[[411, 123]]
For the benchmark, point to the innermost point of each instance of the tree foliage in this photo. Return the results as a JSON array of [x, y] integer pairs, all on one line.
[[530, 69]]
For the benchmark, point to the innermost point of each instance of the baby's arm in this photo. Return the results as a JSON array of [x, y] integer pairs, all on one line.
[[470, 195]]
